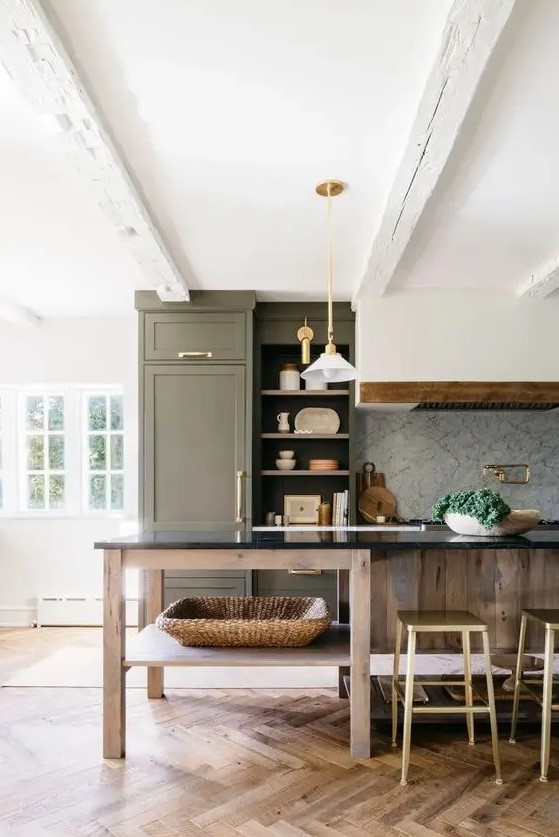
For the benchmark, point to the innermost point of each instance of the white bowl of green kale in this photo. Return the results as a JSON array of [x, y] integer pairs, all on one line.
[[482, 512]]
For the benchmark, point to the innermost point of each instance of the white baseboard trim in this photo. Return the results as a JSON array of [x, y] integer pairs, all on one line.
[[17, 617]]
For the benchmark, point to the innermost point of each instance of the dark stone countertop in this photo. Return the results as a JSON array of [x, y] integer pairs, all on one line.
[[340, 539]]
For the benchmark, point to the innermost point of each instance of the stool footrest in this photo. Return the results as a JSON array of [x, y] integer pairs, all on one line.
[[451, 710], [422, 682]]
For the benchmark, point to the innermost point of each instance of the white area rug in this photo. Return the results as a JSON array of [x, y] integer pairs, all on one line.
[[82, 668]]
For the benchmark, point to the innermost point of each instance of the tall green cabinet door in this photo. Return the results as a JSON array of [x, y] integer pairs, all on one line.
[[194, 445]]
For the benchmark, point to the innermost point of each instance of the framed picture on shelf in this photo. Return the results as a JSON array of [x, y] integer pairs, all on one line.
[[301, 509]]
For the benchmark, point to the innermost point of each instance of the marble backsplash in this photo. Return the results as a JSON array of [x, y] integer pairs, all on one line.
[[425, 455]]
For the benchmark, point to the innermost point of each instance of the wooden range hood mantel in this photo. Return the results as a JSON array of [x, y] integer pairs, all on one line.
[[460, 395]]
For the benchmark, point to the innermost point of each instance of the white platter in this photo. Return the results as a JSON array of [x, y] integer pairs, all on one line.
[[317, 420]]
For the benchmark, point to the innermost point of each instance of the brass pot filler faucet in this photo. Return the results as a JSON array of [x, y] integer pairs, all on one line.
[[500, 473]]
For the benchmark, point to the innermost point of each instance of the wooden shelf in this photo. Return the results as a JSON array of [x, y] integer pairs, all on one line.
[[304, 393], [278, 473], [152, 647], [305, 436]]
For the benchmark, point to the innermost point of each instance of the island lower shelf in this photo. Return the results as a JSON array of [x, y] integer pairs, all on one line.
[[152, 647]]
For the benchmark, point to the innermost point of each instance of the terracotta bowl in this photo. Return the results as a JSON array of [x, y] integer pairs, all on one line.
[[517, 522]]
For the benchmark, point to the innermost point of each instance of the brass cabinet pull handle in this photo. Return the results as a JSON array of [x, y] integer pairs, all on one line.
[[239, 517], [189, 355], [305, 572]]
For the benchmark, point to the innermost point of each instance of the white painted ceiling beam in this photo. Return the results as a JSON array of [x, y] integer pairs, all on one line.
[[542, 282], [19, 314], [471, 32], [40, 66]]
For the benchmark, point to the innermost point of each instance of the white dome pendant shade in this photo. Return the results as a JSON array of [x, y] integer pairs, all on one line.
[[331, 367]]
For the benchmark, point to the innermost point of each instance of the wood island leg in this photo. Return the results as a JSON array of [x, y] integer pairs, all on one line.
[[360, 626], [546, 702], [343, 619], [114, 691], [154, 606]]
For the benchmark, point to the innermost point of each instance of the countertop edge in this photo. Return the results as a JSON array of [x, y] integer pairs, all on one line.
[[385, 542]]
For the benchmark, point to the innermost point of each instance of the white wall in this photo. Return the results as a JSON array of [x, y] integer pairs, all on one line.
[[55, 555], [457, 335]]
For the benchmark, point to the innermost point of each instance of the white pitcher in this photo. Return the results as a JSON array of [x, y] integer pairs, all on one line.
[[283, 422]]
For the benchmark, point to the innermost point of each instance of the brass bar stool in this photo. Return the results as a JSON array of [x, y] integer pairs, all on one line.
[[550, 620], [415, 622]]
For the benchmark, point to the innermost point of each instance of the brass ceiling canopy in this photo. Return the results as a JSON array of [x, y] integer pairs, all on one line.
[[336, 188]]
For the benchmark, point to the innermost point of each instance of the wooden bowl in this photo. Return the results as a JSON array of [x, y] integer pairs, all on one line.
[[517, 522]]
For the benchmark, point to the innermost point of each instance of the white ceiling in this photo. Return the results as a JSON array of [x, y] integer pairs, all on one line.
[[57, 254], [494, 218], [228, 114]]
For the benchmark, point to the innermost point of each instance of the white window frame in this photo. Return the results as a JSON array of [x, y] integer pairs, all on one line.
[[45, 433], [15, 456], [9, 452], [1, 456], [106, 392]]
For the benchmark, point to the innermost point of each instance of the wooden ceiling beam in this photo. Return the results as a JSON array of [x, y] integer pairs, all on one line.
[[542, 282], [470, 35], [37, 61]]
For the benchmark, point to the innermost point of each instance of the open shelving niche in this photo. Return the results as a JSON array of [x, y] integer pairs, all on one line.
[[271, 484]]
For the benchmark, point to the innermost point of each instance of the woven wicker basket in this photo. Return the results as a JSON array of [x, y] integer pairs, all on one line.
[[259, 621]]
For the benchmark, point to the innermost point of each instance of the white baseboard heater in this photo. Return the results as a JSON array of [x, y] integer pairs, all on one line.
[[77, 611]]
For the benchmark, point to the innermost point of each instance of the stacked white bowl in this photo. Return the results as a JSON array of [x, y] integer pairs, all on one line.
[[286, 461]]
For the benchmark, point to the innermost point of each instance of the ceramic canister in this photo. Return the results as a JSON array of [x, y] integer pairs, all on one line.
[[289, 377], [315, 384]]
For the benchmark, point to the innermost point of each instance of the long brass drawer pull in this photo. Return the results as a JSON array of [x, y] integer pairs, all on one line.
[[305, 572], [239, 516], [191, 355]]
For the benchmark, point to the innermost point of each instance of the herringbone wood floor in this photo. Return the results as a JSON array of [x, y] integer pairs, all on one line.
[[243, 762]]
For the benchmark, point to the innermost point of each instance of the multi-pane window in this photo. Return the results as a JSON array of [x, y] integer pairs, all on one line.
[[61, 450], [104, 423], [44, 471]]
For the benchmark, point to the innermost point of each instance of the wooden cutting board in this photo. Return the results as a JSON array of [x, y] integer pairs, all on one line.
[[374, 501], [376, 479]]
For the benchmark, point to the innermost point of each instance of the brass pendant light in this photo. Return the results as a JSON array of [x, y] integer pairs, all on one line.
[[330, 367]]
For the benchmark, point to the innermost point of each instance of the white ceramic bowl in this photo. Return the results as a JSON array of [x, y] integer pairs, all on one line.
[[517, 522], [285, 464], [286, 454]]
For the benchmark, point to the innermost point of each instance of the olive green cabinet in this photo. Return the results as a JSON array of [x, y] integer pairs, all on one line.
[[203, 583], [194, 446], [196, 424], [203, 335], [284, 583]]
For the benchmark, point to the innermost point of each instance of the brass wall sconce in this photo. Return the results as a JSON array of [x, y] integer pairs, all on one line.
[[305, 335], [500, 473]]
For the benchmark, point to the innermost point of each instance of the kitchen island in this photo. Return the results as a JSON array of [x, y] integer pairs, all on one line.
[[383, 571]]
